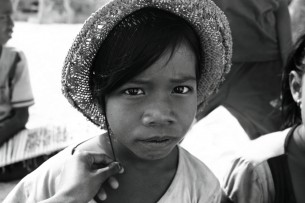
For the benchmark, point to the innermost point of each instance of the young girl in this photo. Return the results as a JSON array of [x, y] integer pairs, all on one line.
[[275, 174], [141, 70]]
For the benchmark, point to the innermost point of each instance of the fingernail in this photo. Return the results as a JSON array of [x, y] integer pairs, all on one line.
[[115, 185], [118, 165], [103, 196], [121, 169]]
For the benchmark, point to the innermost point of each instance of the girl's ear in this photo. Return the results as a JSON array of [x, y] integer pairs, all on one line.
[[295, 83]]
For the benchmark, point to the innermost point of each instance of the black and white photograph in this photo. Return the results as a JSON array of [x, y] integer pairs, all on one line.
[[152, 101]]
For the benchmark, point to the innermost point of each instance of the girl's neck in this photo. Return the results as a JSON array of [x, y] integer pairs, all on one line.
[[170, 162]]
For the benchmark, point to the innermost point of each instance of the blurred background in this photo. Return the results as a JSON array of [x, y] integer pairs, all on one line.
[[44, 30], [55, 11]]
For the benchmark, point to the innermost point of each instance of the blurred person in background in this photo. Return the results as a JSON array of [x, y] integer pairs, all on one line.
[[275, 173], [15, 89], [261, 35], [297, 12]]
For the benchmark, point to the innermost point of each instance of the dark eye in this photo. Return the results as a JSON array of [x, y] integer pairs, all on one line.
[[181, 90], [134, 91]]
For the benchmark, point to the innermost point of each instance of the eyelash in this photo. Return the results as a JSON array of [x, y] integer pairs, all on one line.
[[139, 91], [184, 87], [127, 91]]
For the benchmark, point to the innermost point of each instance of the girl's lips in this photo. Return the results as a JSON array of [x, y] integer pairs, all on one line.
[[158, 139], [159, 142]]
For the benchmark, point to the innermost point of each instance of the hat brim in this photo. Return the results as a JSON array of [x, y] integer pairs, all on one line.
[[204, 16]]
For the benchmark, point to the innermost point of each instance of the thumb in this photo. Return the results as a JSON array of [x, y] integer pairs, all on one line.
[[110, 170], [100, 159]]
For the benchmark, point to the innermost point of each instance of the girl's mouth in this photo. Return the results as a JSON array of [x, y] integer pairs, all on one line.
[[158, 140]]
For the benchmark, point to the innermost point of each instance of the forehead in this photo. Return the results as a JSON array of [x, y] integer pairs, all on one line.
[[6, 7], [179, 63]]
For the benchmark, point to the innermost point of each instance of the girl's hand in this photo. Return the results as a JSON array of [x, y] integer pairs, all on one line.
[[82, 178]]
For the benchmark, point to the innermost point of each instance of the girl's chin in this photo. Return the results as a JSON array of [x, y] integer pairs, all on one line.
[[153, 155]]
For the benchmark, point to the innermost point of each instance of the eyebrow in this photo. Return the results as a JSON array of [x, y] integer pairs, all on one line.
[[183, 79], [172, 80]]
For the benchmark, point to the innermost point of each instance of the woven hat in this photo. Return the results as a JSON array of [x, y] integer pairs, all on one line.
[[208, 21]]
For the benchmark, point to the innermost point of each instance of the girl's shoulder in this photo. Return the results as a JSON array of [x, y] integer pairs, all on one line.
[[249, 183], [191, 161], [249, 177], [193, 182], [189, 164], [42, 183], [91, 144], [269, 145]]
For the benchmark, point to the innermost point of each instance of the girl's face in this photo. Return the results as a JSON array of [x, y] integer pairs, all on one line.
[[150, 114]]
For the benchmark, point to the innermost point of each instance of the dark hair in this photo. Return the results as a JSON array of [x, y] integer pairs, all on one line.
[[135, 44], [290, 110]]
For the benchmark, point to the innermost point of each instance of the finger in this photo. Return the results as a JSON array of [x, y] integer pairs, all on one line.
[[110, 170], [102, 194], [113, 182], [93, 158], [97, 200], [98, 158]]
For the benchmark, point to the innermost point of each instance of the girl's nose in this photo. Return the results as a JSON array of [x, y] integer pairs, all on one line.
[[156, 116]]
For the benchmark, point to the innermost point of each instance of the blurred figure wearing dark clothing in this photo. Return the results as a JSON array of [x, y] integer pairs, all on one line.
[[261, 35]]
